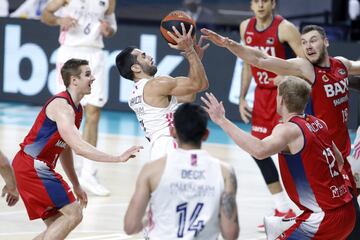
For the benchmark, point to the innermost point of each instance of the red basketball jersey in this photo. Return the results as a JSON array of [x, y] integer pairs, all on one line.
[[44, 142], [268, 42], [329, 101], [311, 177]]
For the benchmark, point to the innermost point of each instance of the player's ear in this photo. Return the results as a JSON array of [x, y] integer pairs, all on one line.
[[136, 68], [206, 135], [173, 132]]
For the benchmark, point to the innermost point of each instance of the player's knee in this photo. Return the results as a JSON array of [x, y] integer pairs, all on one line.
[[268, 170], [92, 115], [75, 216]]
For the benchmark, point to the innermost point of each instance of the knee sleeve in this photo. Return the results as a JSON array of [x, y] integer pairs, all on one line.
[[268, 170]]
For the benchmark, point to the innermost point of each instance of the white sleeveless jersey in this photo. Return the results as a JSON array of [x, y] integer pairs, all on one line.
[[87, 32], [186, 203], [154, 121]]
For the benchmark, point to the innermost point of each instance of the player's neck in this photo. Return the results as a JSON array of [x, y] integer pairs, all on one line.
[[75, 97], [263, 23], [286, 117], [186, 146]]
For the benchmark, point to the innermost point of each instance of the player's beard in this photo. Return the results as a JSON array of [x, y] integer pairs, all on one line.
[[321, 57], [149, 70]]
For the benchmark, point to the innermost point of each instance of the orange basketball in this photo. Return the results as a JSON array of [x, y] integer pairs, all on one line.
[[175, 18]]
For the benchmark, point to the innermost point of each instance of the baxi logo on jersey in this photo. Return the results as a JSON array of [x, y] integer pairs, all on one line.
[[333, 89], [268, 50]]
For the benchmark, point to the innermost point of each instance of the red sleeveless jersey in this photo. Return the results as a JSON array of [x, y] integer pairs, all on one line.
[[268, 42], [311, 177], [44, 142], [329, 101]]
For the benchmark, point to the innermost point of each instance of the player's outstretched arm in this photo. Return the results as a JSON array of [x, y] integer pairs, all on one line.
[[185, 44], [353, 67], [281, 136], [133, 221], [297, 66], [9, 190], [229, 223], [62, 113]]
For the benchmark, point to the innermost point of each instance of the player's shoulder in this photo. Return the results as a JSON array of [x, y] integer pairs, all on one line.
[[60, 104], [286, 25]]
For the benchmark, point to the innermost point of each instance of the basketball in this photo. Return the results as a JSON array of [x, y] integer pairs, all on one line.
[[175, 18]]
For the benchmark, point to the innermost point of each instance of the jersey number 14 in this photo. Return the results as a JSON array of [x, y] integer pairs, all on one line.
[[193, 224]]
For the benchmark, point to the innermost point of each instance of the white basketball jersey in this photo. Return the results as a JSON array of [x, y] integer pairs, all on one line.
[[88, 14], [154, 121], [186, 203]]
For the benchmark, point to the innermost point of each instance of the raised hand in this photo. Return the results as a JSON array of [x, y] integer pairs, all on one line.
[[214, 37], [214, 108], [184, 41], [130, 153], [199, 48]]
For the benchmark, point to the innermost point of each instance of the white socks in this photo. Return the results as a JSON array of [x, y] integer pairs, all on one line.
[[281, 201]]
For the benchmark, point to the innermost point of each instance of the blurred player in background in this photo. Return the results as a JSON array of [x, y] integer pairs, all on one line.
[[269, 33], [55, 133], [83, 24], [191, 194], [154, 99], [309, 163], [9, 191]]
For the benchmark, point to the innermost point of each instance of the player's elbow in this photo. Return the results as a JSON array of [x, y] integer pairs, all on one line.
[[260, 154], [131, 227]]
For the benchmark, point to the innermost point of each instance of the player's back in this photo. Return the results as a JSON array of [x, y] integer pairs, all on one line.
[[311, 177], [186, 203]]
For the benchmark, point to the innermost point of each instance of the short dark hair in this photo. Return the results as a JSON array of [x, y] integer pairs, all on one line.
[[309, 28], [124, 62], [190, 122], [72, 68]]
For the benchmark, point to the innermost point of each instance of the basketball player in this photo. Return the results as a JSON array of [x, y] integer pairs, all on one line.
[[307, 160], [191, 194], [269, 33], [55, 133], [9, 190], [154, 99], [83, 24], [329, 99]]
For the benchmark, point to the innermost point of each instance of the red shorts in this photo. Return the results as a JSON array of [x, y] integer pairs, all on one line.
[[334, 224], [43, 190], [264, 115]]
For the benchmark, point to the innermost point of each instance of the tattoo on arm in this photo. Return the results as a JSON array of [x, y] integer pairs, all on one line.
[[228, 198]]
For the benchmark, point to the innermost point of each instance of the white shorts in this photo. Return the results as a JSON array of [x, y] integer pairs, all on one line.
[[161, 147], [96, 58]]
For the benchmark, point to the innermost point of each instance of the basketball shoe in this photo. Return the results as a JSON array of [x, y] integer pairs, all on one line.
[[274, 226], [282, 215], [90, 184]]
